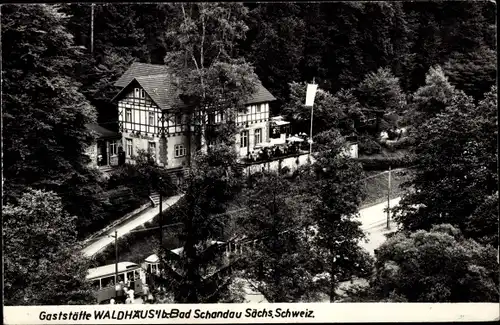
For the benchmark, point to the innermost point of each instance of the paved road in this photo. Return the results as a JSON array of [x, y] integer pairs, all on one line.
[[374, 222], [127, 226]]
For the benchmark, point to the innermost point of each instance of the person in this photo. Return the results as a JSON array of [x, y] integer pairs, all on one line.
[[112, 301], [131, 294], [145, 292]]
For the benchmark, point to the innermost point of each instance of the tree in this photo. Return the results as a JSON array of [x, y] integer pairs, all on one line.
[[340, 111], [482, 225], [42, 265], [439, 265], [474, 72], [381, 94], [457, 166], [202, 273], [280, 30], [336, 194], [208, 76], [432, 98], [44, 113], [279, 264]]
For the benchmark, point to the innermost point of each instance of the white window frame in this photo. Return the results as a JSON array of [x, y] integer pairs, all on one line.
[[259, 133], [179, 150], [142, 93], [129, 147], [244, 137], [258, 108], [137, 92], [152, 118], [113, 148], [128, 115]]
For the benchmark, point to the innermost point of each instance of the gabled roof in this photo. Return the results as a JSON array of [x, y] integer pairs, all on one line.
[[262, 95], [140, 70], [156, 80], [102, 133]]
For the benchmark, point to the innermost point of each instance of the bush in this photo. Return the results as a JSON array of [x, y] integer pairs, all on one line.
[[368, 146]]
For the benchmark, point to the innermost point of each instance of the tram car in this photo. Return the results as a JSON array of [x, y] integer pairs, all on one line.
[[103, 280]]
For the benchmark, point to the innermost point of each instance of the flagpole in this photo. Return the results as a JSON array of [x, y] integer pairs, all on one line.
[[311, 131]]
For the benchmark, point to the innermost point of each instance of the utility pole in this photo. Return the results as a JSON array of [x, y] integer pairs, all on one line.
[[92, 28], [160, 220], [160, 216], [116, 257], [389, 200]]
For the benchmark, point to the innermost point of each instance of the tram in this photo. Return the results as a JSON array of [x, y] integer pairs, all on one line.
[[103, 280]]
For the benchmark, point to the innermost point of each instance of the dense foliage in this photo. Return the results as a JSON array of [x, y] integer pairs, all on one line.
[[439, 265], [42, 263], [456, 154], [279, 263], [44, 113]]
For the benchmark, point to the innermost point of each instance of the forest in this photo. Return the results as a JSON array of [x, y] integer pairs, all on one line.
[[428, 67]]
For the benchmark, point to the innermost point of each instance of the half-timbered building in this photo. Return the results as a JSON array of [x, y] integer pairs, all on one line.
[[153, 117]]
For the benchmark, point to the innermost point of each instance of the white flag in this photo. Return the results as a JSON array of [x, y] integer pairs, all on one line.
[[310, 94]]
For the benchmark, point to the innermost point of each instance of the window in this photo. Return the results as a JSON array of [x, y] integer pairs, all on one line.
[[96, 284], [244, 139], [136, 92], [180, 150], [178, 119], [128, 115], [258, 108], [151, 118], [258, 136], [211, 119], [152, 148], [113, 148], [142, 93], [129, 147]]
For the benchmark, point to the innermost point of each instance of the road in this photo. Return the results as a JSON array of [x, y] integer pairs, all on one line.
[[131, 224], [374, 222]]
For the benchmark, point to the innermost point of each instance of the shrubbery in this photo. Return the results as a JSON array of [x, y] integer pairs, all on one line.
[[368, 146]]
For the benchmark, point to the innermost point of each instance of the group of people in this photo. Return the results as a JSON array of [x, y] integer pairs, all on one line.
[[271, 152]]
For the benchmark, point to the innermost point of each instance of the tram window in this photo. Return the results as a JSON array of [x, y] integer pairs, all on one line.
[[121, 277], [109, 281], [149, 268], [153, 268], [96, 284], [130, 276]]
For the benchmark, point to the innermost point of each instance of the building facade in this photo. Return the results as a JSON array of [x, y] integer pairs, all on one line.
[[104, 152], [152, 117]]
